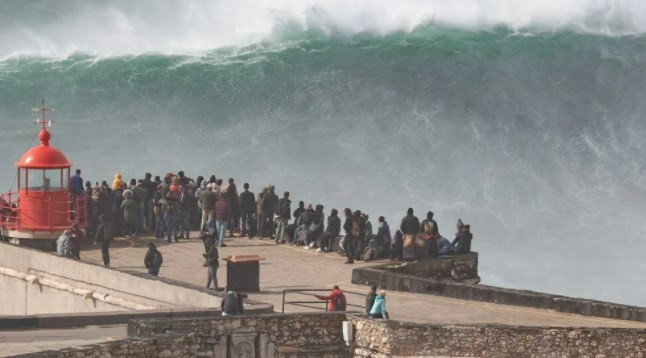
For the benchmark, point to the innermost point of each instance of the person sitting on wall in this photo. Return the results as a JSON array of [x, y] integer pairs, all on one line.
[[370, 298], [410, 228], [232, 304], [444, 246], [153, 259], [63, 244], [462, 241], [379, 307], [76, 240], [397, 247], [332, 231]]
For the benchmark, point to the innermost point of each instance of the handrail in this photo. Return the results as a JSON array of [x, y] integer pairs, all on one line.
[[303, 291], [76, 210]]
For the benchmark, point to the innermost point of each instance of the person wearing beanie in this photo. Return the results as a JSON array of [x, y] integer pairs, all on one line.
[[153, 259]]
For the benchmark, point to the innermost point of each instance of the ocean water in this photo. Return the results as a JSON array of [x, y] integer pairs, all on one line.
[[526, 121]]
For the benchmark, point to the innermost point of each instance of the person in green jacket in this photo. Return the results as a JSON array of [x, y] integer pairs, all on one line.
[[379, 307]]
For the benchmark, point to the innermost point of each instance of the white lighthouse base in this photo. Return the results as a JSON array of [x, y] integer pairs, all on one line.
[[42, 240]]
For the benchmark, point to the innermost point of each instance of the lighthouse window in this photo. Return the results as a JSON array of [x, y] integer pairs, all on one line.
[[46, 180]]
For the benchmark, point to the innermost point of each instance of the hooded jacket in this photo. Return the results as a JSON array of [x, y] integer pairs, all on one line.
[[379, 307], [269, 202], [117, 183]]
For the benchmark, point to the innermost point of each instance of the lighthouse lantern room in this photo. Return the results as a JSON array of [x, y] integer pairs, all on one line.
[[43, 206]]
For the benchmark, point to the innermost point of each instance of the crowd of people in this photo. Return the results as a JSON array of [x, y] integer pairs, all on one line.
[[176, 204]]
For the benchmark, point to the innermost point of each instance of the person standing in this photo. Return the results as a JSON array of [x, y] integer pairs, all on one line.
[[153, 260], [234, 206], [370, 298], [348, 240], [269, 204], [171, 210], [130, 213], [76, 184], [283, 212], [358, 233], [104, 235], [410, 228], [150, 187], [208, 205], [336, 300], [222, 217], [247, 208], [259, 216], [186, 202], [212, 256]]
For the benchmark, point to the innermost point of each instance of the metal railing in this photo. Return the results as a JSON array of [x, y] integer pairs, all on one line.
[[10, 211], [308, 292]]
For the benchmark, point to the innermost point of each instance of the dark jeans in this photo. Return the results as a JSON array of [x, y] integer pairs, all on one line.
[[247, 220], [105, 251], [171, 226], [267, 228], [154, 271], [376, 315], [212, 276], [131, 229], [360, 246], [76, 253], [325, 241], [184, 223], [349, 246], [159, 226]]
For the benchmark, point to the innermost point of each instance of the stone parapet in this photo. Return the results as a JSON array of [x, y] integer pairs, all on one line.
[[395, 281], [384, 338], [461, 268]]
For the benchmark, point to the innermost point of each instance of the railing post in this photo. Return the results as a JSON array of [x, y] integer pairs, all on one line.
[[284, 301]]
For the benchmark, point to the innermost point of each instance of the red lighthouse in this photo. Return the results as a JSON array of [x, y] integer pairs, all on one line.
[[42, 208]]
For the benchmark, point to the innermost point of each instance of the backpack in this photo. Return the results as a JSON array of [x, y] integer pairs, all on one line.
[[157, 259], [108, 235], [340, 303]]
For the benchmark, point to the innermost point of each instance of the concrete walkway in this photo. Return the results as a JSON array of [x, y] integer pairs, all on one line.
[[289, 267]]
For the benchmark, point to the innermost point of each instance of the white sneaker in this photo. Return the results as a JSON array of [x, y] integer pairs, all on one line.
[[319, 250], [306, 247]]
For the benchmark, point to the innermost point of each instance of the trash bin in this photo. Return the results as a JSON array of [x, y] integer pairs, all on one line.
[[243, 273]]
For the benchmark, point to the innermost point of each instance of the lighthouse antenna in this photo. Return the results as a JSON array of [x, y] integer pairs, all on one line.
[[42, 109]]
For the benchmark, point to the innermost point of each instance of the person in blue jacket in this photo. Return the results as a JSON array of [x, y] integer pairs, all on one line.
[[379, 307]]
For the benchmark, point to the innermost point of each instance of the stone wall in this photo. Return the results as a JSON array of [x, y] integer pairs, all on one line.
[[166, 345], [396, 281], [462, 268], [379, 338], [273, 335]]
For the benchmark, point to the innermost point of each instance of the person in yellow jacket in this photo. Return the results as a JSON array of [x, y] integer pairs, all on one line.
[[117, 183]]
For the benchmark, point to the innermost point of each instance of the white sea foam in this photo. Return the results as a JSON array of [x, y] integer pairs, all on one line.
[[122, 27]]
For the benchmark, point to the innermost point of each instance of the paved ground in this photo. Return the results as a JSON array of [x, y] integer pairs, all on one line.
[[21, 342], [287, 267]]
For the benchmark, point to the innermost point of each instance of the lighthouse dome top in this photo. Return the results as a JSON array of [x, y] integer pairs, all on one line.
[[43, 156]]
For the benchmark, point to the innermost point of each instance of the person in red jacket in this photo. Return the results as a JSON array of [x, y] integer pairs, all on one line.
[[336, 300]]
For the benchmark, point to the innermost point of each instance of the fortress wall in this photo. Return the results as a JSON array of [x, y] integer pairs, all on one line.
[[385, 338], [397, 281], [452, 267], [123, 290]]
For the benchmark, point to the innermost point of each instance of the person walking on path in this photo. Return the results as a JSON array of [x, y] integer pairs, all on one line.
[[283, 211], [153, 259], [222, 217], [212, 256], [370, 298], [379, 307], [104, 235]]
